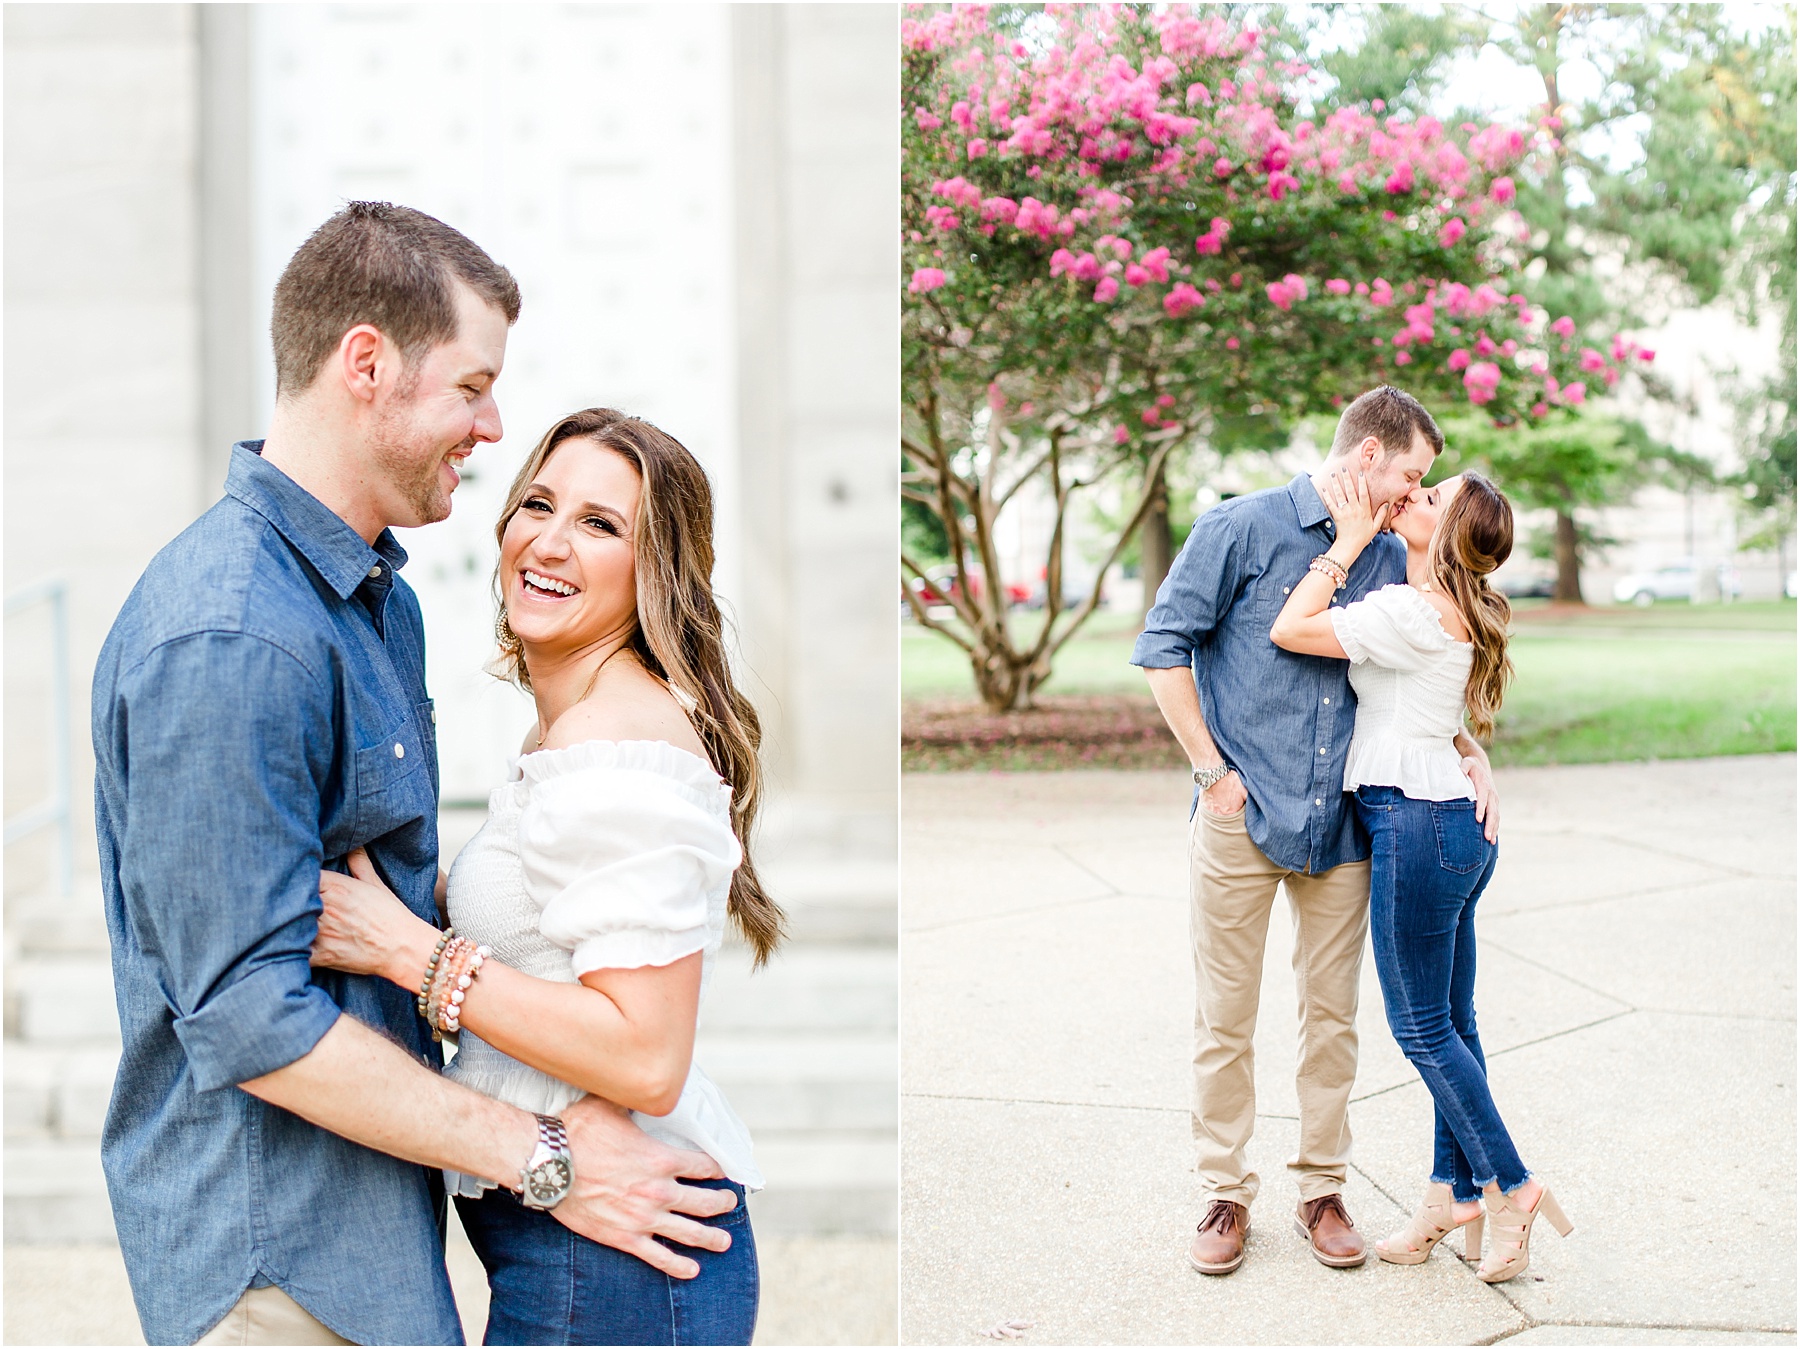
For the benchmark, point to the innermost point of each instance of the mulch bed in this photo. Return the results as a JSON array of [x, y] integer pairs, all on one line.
[[1097, 731]]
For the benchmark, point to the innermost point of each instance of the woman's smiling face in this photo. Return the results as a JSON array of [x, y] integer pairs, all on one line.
[[566, 558]]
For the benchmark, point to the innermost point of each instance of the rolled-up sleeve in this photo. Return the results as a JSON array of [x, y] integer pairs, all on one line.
[[1200, 586], [220, 855]]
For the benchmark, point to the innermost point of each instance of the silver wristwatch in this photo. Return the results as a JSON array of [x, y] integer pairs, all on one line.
[[545, 1180], [1205, 777]]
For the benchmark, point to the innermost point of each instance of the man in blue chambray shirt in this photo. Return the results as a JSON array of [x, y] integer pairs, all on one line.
[[275, 1133], [1268, 735]]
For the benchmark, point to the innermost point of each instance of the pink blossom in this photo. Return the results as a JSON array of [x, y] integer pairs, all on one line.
[[940, 217], [1120, 435], [1540, 409], [1087, 267], [1480, 380], [1197, 93], [1106, 290], [1645, 354], [1061, 261], [1150, 417], [1502, 190], [977, 148], [1400, 180], [926, 120], [1003, 209], [1563, 327], [996, 399], [1181, 298], [1284, 292], [1381, 294], [1620, 347], [1575, 394], [1362, 287], [1231, 344], [1208, 243], [1165, 400], [1592, 360], [1221, 167], [1337, 286], [1459, 359], [1281, 182], [1510, 347], [1484, 345], [926, 278], [1453, 230], [1156, 262], [1135, 275], [1403, 358], [1237, 279]]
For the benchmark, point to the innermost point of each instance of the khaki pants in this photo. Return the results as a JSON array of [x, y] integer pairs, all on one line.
[[270, 1316], [1232, 886]]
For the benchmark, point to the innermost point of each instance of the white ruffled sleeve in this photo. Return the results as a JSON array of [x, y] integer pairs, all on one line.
[[621, 865], [1394, 627]]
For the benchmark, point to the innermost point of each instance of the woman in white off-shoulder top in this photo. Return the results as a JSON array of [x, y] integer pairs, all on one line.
[[586, 913], [1423, 655]]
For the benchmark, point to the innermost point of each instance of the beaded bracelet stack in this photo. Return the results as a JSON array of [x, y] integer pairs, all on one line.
[[1328, 567], [453, 967]]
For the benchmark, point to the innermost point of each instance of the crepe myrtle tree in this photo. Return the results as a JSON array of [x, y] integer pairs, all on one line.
[[1122, 238]]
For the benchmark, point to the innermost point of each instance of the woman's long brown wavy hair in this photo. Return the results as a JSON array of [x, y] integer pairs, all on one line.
[[679, 634], [1474, 536]]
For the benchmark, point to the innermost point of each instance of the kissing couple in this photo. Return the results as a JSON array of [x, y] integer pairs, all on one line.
[[290, 959], [1317, 649]]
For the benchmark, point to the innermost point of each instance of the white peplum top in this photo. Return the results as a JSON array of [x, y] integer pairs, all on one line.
[[1411, 682], [602, 855]]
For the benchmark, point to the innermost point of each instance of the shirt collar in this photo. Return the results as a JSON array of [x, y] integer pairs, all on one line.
[[1306, 501], [314, 530]]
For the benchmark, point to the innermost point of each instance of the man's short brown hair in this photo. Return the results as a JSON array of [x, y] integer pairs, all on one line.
[[1391, 416], [386, 265]]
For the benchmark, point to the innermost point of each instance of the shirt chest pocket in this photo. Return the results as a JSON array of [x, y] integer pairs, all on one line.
[[394, 782]]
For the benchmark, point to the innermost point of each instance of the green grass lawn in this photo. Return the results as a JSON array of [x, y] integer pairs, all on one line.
[[1674, 681]]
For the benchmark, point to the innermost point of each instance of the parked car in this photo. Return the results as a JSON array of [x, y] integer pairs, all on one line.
[[1522, 584], [939, 584], [1675, 581]]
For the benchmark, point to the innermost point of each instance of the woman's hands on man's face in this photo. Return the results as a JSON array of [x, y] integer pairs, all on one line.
[[1346, 496], [365, 929]]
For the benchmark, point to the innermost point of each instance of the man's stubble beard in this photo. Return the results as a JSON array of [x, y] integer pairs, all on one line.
[[409, 462]]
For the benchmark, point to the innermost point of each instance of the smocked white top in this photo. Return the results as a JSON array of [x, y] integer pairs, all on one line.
[[602, 855], [1410, 680]]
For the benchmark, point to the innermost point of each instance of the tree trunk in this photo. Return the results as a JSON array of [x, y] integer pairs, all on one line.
[[1153, 542], [1568, 561]]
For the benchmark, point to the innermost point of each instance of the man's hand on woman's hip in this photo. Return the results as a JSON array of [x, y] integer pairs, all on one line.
[[626, 1190]]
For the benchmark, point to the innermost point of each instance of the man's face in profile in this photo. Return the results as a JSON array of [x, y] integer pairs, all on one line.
[[442, 408]]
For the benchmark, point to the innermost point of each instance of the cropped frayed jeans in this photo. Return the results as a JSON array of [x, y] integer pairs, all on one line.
[[1429, 864]]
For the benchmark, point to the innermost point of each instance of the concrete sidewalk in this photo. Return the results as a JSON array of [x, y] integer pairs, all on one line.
[[1637, 1005]]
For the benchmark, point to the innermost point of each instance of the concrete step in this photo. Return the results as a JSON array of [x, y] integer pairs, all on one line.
[[822, 1186], [61, 999], [836, 900], [805, 988], [49, 924], [58, 1091], [55, 1191], [813, 1083]]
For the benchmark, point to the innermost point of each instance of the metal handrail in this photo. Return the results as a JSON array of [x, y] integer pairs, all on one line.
[[55, 811]]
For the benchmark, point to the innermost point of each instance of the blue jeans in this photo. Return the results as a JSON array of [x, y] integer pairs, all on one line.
[[550, 1286], [1429, 864]]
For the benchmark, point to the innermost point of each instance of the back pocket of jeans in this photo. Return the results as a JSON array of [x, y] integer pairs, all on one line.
[[1460, 843]]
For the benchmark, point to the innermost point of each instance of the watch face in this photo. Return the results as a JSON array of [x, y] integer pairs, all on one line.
[[549, 1181]]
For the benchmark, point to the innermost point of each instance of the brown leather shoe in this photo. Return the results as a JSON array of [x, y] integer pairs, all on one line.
[[1219, 1243], [1335, 1240]]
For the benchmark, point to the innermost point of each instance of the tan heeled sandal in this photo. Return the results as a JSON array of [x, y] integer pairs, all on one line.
[[1510, 1251], [1412, 1244]]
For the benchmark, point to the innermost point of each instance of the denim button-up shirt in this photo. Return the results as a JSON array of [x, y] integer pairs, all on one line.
[[1283, 721], [259, 710]]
